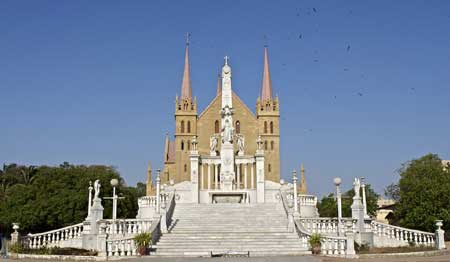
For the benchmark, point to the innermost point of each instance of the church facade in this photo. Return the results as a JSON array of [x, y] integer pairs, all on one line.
[[227, 151]]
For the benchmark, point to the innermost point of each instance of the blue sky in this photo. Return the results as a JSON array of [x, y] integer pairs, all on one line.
[[93, 82]]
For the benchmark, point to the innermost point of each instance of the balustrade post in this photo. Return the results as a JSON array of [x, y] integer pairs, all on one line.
[[350, 250], [158, 191], [440, 243]]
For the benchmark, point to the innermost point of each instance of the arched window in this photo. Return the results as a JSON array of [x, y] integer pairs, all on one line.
[[265, 145], [269, 168], [272, 145], [188, 145], [185, 168], [265, 127], [216, 127], [182, 126], [182, 145], [189, 126], [238, 127], [271, 127]]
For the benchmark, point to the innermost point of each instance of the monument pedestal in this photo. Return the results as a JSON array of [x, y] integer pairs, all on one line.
[[91, 225], [194, 175]]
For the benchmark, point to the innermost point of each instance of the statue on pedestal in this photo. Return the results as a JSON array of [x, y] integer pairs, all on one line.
[[357, 187], [240, 143], [213, 144], [227, 126], [96, 188]]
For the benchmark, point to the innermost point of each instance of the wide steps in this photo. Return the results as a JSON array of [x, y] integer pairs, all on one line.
[[198, 230]]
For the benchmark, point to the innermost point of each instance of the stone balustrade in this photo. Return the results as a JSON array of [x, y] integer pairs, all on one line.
[[55, 237], [127, 226], [306, 200], [389, 235], [326, 225], [121, 248], [147, 201]]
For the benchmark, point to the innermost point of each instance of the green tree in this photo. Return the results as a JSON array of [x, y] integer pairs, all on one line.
[[44, 198], [327, 206], [424, 194]]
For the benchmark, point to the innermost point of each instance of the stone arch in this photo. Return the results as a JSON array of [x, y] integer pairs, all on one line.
[[265, 145], [265, 127], [272, 145], [182, 145], [182, 126], [271, 127], [188, 126], [188, 145]]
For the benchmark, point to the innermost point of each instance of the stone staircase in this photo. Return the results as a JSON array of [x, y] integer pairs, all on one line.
[[199, 229]]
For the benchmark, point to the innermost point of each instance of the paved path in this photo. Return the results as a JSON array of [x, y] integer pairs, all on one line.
[[437, 258]]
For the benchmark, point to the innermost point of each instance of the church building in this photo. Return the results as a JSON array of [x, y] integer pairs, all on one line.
[[223, 153]]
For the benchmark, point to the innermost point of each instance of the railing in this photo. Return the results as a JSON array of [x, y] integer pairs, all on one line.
[[306, 200], [390, 233], [55, 237], [330, 245], [147, 201], [121, 247], [326, 225], [127, 226]]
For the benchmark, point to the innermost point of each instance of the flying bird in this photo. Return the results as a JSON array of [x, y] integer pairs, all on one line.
[[300, 36], [315, 11], [360, 94], [348, 48]]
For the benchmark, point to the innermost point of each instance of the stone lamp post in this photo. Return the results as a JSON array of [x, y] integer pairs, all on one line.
[[15, 235], [337, 182], [114, 183], [363, 187]]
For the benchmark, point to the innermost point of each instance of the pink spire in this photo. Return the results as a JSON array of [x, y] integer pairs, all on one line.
[[186, 89], [266, 89]]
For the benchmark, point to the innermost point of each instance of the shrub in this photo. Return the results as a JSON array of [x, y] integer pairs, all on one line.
[[315, 240], [143, 239]]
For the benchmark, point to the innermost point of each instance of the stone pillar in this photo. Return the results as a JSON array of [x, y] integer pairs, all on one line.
[[209, 176], [294, 182], [363, 187], [202, 177], [245, 176], [252, 176], [194, 175], [440, 242], [350, 246], [91, 226], [358, 212], [216, 177], [260, 176], [238, 180], [158, 192], [89, 199], [101, 240]]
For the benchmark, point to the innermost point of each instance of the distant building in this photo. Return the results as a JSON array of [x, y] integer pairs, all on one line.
[[385, 209], [446, 163]]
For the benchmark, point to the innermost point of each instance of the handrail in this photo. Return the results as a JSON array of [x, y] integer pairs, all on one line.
[[56, 230], [402, 228]]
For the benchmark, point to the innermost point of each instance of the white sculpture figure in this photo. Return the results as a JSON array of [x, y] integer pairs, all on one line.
[[194, 143], [259, 142], [357, 187], [227, 127], [96, 188], [240, 143], [213, 143]]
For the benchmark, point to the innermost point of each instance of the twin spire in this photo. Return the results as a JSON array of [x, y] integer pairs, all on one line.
[[186, 88]]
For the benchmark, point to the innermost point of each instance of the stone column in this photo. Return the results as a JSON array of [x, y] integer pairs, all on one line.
[[245, 175], [238, 180], [209, 176], [260, 190], [252, 176], [294, 182], [202, 177], [363, 187], [440, 242], [158, 192], [358, 209], [216, 177], [194, 157], [90, 199]]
